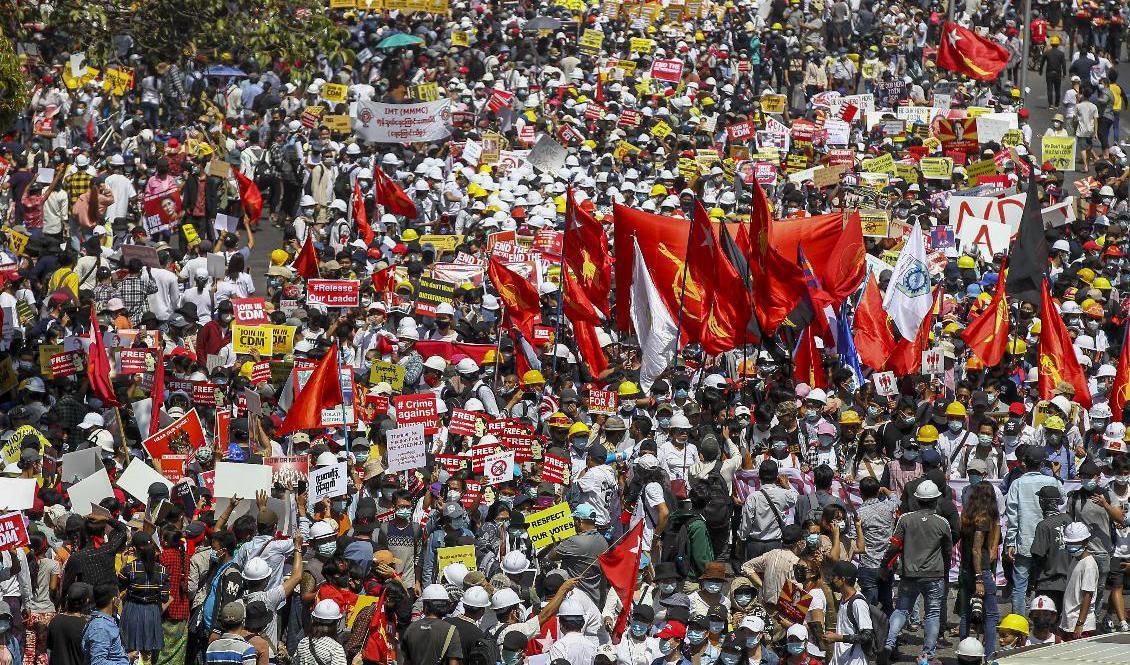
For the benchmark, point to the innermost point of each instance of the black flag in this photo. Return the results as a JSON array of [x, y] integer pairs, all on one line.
[[1028, 258]]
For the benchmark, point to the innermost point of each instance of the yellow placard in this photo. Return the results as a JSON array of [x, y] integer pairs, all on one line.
[[73, 82], [19, 438], [936, 168], [445, 243], [551, 525], [248, 339], [874, 222], [906, 171], [660, 130], [334, 92], [983, 167], [118, 81], [338, 123], [626, 66], [460, 38], [890, 257], [390, 373], [282, 338], [1012, 138], [641, 45], [591, 41], [1060, 151], [8, 378], [190, 235], [46, 351], [18, 241], [464, 554], [624, 148], [425, 92], [881, 164], [974, 111], [361, 603], [343, 4], [773, 103]]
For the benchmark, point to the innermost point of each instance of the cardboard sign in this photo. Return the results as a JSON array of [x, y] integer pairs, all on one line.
[[137, 478], [13, 531], [185, 433], [933, 361], [885, 383], [288, 472], [603, 401], [282, 338], [88, 491], [161, 212], [334, 92], [466, 423], [388, 372], [242, 480], [333, 292], [250, 311], [555, 469], [417, 408], [667, 70], [339, 123], [773, 103], [499, 467], [328, 481], [137, 361], [551, 525], [405, 448], [248, 339], [464, 554], [430, 293], [1059, 150], [936, 168]]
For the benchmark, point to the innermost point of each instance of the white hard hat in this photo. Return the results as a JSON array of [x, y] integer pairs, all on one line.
[[435, 592], [1115, 434], [436, 363], [679, 421], [1042, 603], [476, 596], [474, 404], [1076, 532], [338, 204], [321, 529], [1061, 246], [92, 420], [502, 599], [927, 490], [515, 562], [445, 308], [1062, 403], [817, 395], [364, 174], [1085, 343], [454, 573], [326, 459], [307, 201], [970, 647], [256, 569], [1104, 371], [466, 366], [327, 610], [1100, 410], [353, 149], [715, 381], [570, 608]]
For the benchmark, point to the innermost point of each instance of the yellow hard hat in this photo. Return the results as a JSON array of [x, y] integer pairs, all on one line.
[[974, 363], [951, 328], [559, 419], [1055, 423], [658, 190], [1017, 347], [532, 376], [578, 428], [1014, 622], [1055, 40], [1086, 274], [279, 257], [850, 417], [776, 26], [1101, 283], [966, 262], [490, 357], [927, 434], [956, 409], [717, 213], [409, 235], [245, 369], [559, 203], [628, 389]]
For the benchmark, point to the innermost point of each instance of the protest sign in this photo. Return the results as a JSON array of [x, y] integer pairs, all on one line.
[[66, 364], [555, 469], [939, 168], [13, 531], [499, 467], [986, 236], [334, 292], [602, 401], [389, 372], [137, 478], [288, 472], [547, 155], [885, 383], [185, 433], [417, 408], [1007, 210], [1059, 150], [137, 361], [161, 212], [172, 467], [933, 361], [79, 464], [773, 103], [551, 525], [464, 554], [667, 70], [430, 293], [243, 480], [250, 311], [422, 122], [466, 423], [248, 339], [328, 481], [282, 338], [405, 448], [88, 491], [334, 93]]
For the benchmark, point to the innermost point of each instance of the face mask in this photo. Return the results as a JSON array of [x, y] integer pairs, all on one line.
[[752, 642], [717, 626], [743, 599], [509, 658], [730, 658], [1074, 550], [1090, 485], [225, 318], [910, 455], [5, 626], [974, 479], [639, 629], [873, 412], [712, 587], [696, 636], [667, 588], [984, 440], [780, 450], [955, 426], [664, 423], [1053, 439], [795, 648], [404, 514], [841, 524], [825, 440], [361, 457], [812, 416], [327, 549], [681, 393], [453, 496], [666, 647], [812, 540], [908, 421], [580, 445]]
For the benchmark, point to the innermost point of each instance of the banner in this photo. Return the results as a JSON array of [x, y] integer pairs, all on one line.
[[430, 293], [402, 123], [551, 525], [333, 292], [250, 311], [667, 70], [288, 472]]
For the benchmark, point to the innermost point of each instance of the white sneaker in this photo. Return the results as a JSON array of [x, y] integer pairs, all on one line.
[[1124, 627]]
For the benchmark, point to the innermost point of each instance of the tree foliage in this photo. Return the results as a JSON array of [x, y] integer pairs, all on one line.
[[13, 89]]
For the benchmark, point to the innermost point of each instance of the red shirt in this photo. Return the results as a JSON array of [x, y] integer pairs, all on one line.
[[1039, 31], [172, 558], [343, 597]]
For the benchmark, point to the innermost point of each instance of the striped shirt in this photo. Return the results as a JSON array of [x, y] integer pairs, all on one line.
[[230, 649]]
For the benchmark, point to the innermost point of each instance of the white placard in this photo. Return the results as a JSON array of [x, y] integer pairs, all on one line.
[[1007, 210], [242, 480], [80, 464], [933, 361], [839, 132], [137, 478], [422, 122], [16, 493], [406, 448], [987, 236], [328, 481], [228, 223], [90, 490], [499, 467], [886, 383], [472, 151], [45, 175]]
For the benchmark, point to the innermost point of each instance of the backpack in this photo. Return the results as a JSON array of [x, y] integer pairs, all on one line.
[[677, 546], [343, 184], [878, 625], [479, 653], [209, 610], [720, 508]]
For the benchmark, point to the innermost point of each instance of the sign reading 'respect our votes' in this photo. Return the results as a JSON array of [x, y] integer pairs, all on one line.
[[551, 525]]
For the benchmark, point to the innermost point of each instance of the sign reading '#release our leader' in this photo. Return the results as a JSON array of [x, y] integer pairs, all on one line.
[[402, 123], [333, 292]]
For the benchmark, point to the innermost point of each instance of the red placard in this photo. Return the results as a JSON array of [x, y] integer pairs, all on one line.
[[333, 292], [841, 157], [452, 463], [261, 372], [378, 402], [137, 360], [208, 480], [527, 134], [594, 112], [496, 426], [207, 394], [629, 118], [472, 495], [549, 242], [765, 173], [287, 472], [172, 467], [667, 70], [250, 311], [602, 401], [555, 469], [464, 422], [188, 425], [417, 408], [161, 212], [740, 131], [65, 364], [519, 438], [13, 531], [479, 453], [544, 335]]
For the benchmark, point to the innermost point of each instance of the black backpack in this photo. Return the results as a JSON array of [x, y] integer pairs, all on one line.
[[878, 624], [677, 545], [343, 184], [480, 653], [720, 508]]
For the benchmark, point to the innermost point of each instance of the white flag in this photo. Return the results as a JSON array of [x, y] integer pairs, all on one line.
[[654, 324], [908, 296]]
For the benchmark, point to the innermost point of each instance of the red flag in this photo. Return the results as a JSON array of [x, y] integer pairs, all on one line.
[[98, 365], [249, 196], [964, 51], [90, 130], [1120, 391], [521, 298], [874, 340], [322, 391], [382, 279], [1058, 363], [306, 263], [778, 283], [808, 365], [729, 308], [620, 565], [585, 249], [907, 356], [158, 395], [360, 216], [388, 194], [582, 316], [987, 335]]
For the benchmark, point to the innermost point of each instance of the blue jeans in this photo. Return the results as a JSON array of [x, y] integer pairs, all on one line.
[[1020, 569], [932, 595], [992, 614], [876, 591]]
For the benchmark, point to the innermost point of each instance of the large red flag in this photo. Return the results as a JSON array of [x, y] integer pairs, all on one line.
[[158, 396], [249, 196], [98, 365], [389, 194], [874, 340], [322, 391], [1057, 354], [964, 51], [581, 314], [585, 247], [729, 305], [778, 283], [361, 216], [808, 364], [383, 279], [621, 565], [521, 298], [987, 335], [1120, 391], [306, 263]]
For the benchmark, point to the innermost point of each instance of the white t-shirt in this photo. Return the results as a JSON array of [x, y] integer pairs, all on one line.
[[1083, 576], [123, 190], [678, 462], [650, 498], [596, 486], [631, 652], [851, 619], [819, 603], [1121, 533]]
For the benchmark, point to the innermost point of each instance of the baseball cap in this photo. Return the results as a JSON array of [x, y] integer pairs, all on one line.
[[673, 629]]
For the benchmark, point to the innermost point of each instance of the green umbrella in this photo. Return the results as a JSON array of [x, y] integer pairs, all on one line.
[[399, 40]]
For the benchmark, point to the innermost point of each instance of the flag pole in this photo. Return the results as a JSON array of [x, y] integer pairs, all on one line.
[[498, 342], [569, 212]]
